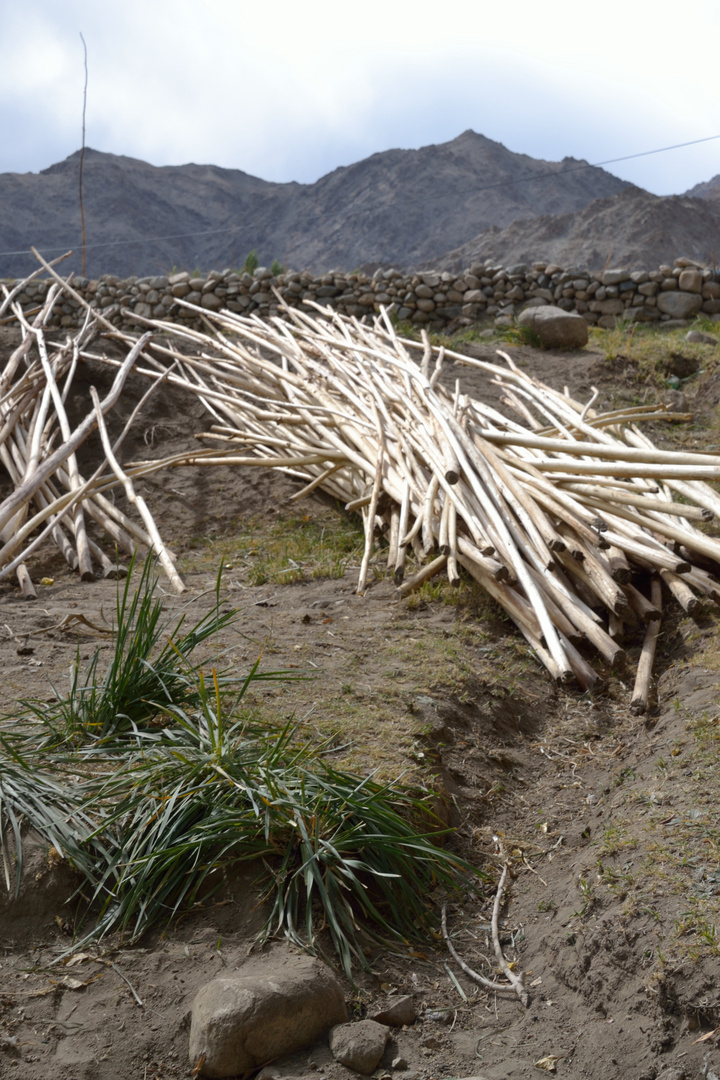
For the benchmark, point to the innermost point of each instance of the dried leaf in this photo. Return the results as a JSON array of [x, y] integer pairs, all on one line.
[[549, 1063], [78, 958], [706, 1036], [71, 983]]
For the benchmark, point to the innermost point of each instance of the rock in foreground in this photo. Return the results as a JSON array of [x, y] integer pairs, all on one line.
[[359, 1046], [241, 1022]]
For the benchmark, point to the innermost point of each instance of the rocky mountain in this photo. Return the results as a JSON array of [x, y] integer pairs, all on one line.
[[634, 229], [398, 207], [710, 189]]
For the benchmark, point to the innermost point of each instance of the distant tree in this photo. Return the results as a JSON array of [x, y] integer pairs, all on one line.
[[276, 269], [251, 262]]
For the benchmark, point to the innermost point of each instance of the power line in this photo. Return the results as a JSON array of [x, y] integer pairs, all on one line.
[[466, 191]]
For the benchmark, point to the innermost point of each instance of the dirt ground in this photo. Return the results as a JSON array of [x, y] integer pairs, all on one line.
[[611, 819]]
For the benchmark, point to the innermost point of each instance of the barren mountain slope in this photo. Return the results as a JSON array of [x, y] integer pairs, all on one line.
[[399, 206], [633, 229], [710, 189]]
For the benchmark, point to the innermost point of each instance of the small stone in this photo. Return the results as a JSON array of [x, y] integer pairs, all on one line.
[[690, 281], [359, 1046], [697, 338], [615, 277], [212, 302], [675, 401], [440, 1016], [179, 279], [397, 1012], [673, 1072], [400, 1064]]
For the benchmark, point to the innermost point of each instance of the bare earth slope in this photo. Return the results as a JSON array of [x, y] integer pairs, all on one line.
[[633, 229], [610, 819], [399, 207]]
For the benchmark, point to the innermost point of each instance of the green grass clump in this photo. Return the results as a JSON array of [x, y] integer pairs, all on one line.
[[292, 548], [151, 780]]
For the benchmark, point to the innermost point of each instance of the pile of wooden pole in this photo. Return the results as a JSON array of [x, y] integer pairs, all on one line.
[[558, 511], [49, 497]]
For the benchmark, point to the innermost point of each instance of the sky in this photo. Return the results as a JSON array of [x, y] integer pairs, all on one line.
[[290, 91]]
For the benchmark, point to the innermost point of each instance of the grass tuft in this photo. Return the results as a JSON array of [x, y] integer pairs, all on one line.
[[151, 780]]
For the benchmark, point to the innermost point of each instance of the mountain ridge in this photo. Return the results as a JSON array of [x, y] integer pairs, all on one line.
[[396, 206], [633, 229]]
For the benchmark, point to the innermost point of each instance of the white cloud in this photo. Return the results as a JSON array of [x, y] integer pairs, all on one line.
[[290, 91]]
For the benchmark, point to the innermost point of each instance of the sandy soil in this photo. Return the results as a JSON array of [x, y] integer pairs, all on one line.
[[612, 820]]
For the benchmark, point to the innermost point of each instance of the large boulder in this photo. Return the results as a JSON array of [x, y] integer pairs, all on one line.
[[679, 305], [556, 329], [240, 1022]]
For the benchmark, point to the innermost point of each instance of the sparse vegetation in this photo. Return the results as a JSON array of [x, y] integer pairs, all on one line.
[[150, 778]]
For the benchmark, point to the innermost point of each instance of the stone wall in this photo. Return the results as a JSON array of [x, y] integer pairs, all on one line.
[[434, 300]]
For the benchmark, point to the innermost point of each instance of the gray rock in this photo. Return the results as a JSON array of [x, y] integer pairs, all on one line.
[[240, 1022], [679, 305], [642, 314], [615, 277], [212, 302], [556, 329], [396, 1012], [675, 401], [672, 1072], [179, 279], [696, 338], [359, 1046], [691, 281]]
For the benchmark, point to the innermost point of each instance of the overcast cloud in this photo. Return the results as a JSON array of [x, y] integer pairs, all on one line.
[[290, 91]]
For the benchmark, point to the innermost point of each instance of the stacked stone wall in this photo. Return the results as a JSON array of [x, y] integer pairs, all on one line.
[[437, 301]]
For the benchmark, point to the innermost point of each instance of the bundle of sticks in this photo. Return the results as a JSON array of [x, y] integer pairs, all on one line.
[[558, 511], [49, 496]]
